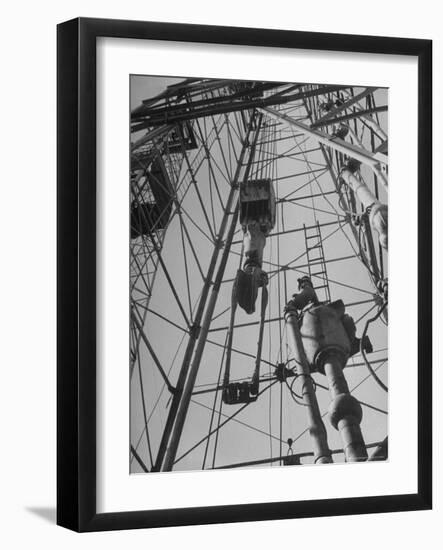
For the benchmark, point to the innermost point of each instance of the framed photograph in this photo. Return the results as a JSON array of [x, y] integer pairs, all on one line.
[[238, 338]]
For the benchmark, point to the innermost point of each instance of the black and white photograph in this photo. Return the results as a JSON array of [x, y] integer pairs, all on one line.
[[212, 336], [258, 274]]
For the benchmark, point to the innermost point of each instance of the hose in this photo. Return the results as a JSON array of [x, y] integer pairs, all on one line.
[[362, 351]]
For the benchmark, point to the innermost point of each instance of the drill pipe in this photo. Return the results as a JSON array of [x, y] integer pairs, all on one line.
[[317, 430]]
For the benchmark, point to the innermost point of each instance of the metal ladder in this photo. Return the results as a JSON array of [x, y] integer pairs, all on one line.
[[316, 262]]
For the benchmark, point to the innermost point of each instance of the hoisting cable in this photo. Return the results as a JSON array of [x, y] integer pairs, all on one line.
[[230, 336], [264, 303], [254, 205]]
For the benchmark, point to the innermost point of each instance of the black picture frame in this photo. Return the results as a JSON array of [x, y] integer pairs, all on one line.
[[76, 279]]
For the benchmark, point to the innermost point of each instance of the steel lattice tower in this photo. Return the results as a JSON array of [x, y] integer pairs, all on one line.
[[193, 146]]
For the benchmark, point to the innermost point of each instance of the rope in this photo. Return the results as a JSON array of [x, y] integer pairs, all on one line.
[[362, 351]]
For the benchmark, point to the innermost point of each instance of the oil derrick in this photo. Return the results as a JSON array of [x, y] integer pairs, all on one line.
[[239, 190]]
